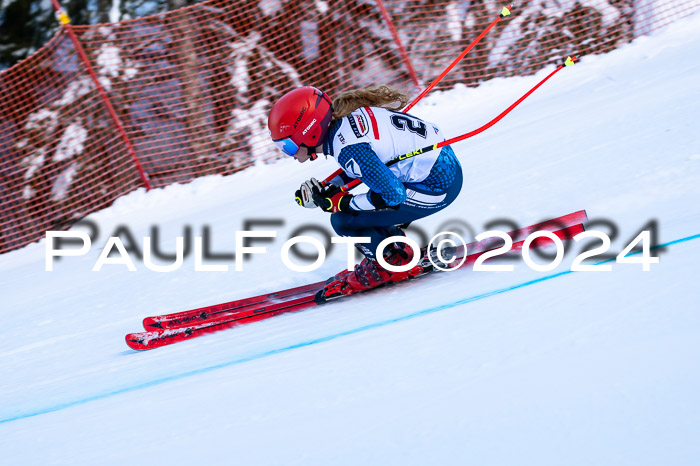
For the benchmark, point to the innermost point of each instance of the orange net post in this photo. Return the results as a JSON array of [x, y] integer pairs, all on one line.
[[191, 88], [116, 121]]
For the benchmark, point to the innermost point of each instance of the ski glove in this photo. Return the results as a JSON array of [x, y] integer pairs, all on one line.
[[304, 195], [331, 199]]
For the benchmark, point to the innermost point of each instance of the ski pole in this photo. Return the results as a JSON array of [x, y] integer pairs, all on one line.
[[504, 12], [399, 158]]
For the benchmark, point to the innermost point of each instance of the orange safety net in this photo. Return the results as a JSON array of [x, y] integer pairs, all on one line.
[[190, 89]]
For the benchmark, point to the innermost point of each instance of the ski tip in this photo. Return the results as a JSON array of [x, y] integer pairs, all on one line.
[[135, 342], [150, 324]]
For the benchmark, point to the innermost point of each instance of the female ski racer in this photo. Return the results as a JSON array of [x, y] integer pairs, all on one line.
[[362, 129]]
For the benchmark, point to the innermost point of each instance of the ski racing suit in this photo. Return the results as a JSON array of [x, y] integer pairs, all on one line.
[[362, 143]]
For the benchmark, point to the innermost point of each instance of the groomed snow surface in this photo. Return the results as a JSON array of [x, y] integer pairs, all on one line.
[[479, 368]]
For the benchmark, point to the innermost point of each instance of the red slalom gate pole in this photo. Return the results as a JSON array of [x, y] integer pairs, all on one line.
[[568, 62], [402, 49], [504, 12]]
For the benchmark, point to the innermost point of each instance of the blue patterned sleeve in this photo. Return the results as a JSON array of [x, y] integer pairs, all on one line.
[[361, 161]]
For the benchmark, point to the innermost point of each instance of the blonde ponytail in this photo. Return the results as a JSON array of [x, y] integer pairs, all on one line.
[[383, 96]]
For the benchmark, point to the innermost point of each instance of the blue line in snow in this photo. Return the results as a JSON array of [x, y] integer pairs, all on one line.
[[315, 341]]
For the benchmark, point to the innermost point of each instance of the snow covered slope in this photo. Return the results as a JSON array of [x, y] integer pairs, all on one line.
[[520, 367]]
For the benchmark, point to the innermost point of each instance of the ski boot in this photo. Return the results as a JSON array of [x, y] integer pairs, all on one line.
[[368, 274]]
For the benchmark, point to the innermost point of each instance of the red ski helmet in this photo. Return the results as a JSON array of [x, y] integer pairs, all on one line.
[[300, 118]]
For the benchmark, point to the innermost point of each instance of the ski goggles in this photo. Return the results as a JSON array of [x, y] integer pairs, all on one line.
[[287, 146]]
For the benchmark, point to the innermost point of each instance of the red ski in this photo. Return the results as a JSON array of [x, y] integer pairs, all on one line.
[[248, 310], [334, 287], [565, 227], [157, 338], [180, 319]]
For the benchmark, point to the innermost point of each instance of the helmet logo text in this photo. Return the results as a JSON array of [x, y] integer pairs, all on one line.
[[309, 127], [296, 123]]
